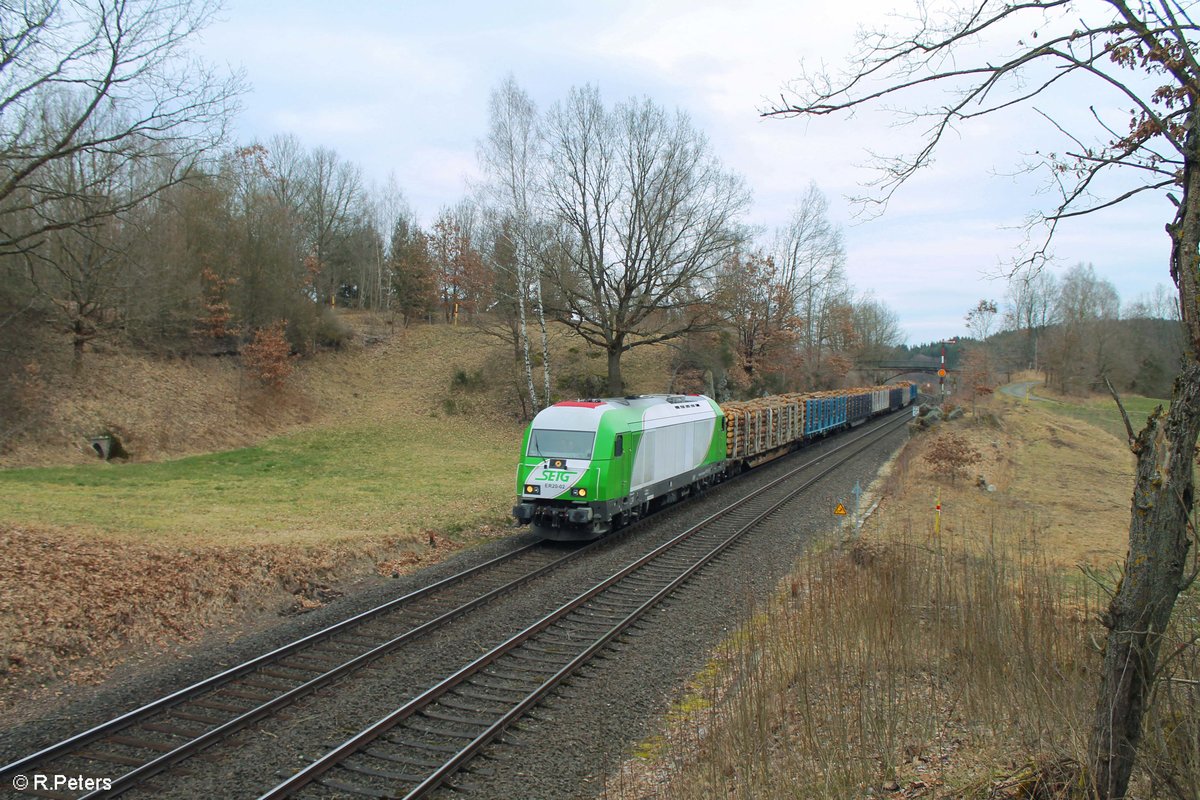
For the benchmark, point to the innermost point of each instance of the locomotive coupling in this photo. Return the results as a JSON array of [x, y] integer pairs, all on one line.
[[551, 515]]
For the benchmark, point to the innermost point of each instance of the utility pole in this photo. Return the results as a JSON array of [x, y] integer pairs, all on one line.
[[942, 374], [942, 367]]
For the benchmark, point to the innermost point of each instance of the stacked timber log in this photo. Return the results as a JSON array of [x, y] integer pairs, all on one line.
[[754, 427], [763, 424]]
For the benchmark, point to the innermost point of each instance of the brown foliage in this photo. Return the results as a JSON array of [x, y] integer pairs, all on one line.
[[950, 454], [215, 323], [754, 300], [269, 357], [461, 275]]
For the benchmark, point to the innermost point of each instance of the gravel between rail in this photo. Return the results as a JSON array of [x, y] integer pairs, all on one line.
[[565, 751]]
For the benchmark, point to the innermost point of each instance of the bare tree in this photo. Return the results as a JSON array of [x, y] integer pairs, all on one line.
[[812, 258], [1030, 300], [1145, 55], [1159, 303], [333, 204], [1082, 343], [388, 207], [756, 306], [645, 212], [100, 77], [876, 329], [510, 157], [980, 319]]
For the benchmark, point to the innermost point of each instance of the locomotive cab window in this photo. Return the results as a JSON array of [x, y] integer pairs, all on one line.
[[618, 445], [560, 444]]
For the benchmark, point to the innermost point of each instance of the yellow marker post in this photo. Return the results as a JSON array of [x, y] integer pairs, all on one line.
[[937, 516]]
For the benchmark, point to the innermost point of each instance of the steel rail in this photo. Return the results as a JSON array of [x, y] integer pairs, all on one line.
[[359, 741], [215, 682]]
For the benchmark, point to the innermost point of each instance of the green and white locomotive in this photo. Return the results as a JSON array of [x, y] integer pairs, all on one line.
[[590, 466]]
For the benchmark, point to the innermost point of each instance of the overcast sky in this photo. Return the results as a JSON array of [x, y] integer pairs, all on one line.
[[401, 89]]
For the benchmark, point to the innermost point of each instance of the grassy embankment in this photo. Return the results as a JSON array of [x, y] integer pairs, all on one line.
[[361, 463], [909, 663], [396, 479]]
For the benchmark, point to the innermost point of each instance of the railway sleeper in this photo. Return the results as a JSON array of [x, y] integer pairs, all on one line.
[[110, 758], [608, 617], [433, 713], [408, 777], [257, 698], [479, 680], [569, 644], [466, 691], [308, 665], [140, 743], [610, 603], [538, 647], [362, 791], [461, 701], [259, 683], [582, 627], [407, 741], [462, 787], [281, 674], [556, 663], [191, 716], [537, 669], [337, 651], [217, 705], [518, 674], [173, 730], [423, 763], [442, 731], [354, 640]]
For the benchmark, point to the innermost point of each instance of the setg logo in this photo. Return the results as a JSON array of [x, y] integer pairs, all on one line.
[[555, 476]]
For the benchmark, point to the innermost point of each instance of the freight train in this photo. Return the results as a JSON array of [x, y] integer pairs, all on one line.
[[588, 467]]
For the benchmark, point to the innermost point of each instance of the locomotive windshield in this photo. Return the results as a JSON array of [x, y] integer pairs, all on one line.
[[560, 444]]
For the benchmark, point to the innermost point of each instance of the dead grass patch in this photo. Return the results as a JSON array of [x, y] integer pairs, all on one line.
[[72, 607], [1063, 484], [897, 669], [919, 662]]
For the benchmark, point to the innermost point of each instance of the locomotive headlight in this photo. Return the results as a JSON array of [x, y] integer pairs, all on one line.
[[532, 488], [579, 493]]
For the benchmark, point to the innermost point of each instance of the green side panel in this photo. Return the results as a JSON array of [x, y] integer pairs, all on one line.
[[716, 449], [613, 470]]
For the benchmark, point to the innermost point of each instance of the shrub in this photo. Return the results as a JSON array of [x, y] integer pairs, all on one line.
[[467, 381], [269, 356], [950, 454], [331, 331]]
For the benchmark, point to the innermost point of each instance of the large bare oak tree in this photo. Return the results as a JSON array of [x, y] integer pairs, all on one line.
[[986, 58], [645, 213]]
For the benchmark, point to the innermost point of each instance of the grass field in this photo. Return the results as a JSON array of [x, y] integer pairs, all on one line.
[[1102, 411], [401, 477]]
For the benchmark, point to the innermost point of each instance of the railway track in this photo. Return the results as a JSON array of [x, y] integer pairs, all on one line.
[[423, 744], [132, 748]]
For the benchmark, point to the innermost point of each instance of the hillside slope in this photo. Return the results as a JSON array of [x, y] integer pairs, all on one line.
[[239, 502]]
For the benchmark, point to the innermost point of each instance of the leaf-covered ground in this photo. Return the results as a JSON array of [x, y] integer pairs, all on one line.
[[237, 503]]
